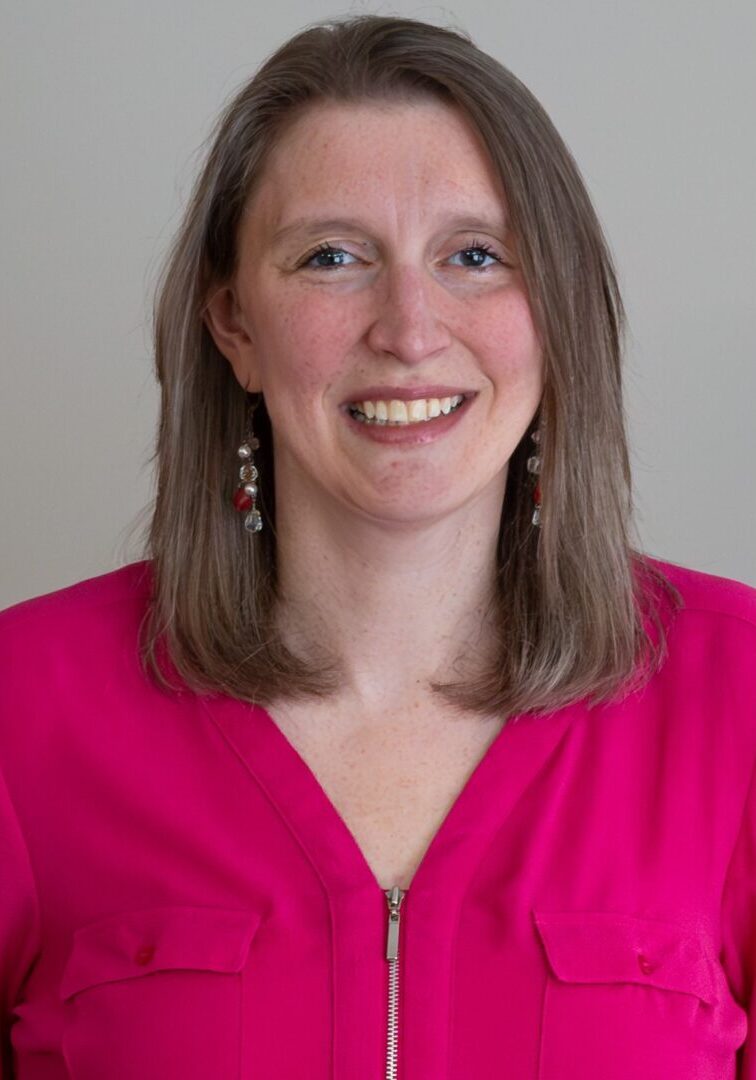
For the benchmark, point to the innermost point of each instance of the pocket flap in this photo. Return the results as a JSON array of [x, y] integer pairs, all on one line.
[[604, 947], [136, 943]]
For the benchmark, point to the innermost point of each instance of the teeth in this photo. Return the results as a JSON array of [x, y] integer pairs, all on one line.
[[405, 412]]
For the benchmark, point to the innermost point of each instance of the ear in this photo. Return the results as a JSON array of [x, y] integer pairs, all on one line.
[[224, 320]]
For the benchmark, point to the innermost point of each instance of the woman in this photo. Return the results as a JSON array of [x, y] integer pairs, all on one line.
[[393, 757]]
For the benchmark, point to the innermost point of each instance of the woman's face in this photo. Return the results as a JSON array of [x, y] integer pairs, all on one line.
[[415, 293]]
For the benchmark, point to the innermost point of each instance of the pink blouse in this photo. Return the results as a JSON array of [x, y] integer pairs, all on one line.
[[179, 898]]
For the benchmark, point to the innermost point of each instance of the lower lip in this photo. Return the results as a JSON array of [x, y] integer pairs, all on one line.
[[417, 434]]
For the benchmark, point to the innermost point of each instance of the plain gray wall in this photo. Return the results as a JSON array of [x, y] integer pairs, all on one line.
[[104, 110]]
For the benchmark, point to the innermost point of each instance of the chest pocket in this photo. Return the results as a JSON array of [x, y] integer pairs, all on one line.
[[156, 993], [633, 998]]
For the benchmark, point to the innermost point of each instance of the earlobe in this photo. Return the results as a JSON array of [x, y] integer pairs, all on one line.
[[224, 320]]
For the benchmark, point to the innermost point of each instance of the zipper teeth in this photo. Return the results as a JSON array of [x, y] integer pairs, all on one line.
[[393, 1034], [394, 897]]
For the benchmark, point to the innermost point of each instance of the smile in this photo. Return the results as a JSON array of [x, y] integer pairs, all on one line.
[[396, 412]]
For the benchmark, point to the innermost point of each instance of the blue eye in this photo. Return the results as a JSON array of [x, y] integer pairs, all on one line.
[[480, 249], [323, 250]]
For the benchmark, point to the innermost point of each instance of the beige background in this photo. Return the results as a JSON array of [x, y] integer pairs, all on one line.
[[104, 109]]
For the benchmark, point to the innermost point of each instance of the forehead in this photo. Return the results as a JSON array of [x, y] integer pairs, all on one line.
[[420, 153]]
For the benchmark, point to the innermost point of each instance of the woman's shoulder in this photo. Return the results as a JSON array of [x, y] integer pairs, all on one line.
[[710, 598], [710, 654], [78, 625], [117, 587]]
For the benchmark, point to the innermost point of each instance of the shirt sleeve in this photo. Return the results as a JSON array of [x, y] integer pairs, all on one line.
[[739, 929], [19, 921]]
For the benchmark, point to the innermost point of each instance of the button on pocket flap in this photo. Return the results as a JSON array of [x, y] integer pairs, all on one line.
[[136, 943], [604, 947]]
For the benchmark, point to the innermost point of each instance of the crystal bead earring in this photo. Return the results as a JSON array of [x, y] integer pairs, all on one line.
[[245, 496], [534, 468]]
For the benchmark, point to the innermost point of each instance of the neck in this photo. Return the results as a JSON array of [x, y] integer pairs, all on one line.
[[401, 604]]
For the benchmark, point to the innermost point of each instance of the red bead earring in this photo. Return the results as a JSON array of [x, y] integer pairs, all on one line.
[[245, 496]]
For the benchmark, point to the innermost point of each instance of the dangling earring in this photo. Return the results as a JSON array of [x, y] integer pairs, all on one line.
[[534, 467], [245, 496]]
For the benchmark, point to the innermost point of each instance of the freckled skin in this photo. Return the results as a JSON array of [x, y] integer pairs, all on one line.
[[404, 305], [386, 554]]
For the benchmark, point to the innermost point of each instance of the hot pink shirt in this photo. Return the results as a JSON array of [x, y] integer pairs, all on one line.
[[179, 898]]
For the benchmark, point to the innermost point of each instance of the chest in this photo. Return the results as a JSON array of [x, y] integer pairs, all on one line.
[[207, 910], [391, 780]]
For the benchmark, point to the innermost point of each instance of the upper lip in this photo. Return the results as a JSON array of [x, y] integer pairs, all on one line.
[[406, 393]]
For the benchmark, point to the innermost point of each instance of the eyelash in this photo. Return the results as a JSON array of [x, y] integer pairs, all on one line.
[[325, 248]]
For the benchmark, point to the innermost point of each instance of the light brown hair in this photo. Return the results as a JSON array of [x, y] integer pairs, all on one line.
[[578, 609]]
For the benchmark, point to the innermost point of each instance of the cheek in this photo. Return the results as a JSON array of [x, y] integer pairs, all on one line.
[[302, 345], [507, 341]]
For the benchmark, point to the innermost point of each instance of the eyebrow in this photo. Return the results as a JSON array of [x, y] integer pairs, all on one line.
[[311, 226]]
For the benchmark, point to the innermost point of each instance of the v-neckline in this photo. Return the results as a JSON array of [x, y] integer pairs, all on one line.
[[356, 903], [509, 762]]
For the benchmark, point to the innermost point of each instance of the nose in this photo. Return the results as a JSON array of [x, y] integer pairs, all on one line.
[[408, 324]]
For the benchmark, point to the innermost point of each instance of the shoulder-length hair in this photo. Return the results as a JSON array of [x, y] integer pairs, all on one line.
[[577, 609]]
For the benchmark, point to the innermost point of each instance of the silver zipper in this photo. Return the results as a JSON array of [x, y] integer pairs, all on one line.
[[394, 897]]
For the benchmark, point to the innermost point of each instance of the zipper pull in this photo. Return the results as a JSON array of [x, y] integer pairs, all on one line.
[[394, 897]]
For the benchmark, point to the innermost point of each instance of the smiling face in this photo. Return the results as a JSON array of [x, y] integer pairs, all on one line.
[[375, 262]]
